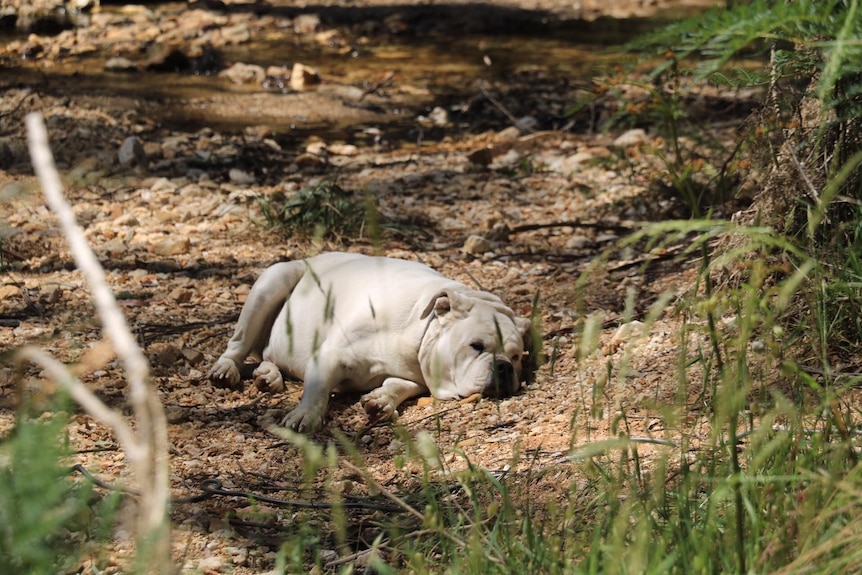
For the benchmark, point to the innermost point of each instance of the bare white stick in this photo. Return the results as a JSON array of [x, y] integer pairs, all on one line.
[[149, 456], [59, 374]]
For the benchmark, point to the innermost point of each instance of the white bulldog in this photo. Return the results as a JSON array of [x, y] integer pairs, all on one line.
[[389, 328]]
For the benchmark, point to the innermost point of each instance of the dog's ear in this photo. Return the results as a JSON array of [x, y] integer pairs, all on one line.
[[440, 304], [445, 302]]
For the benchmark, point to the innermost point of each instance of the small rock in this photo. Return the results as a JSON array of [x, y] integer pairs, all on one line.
[[193, 356], [212, 564], [162, 185], [236, 34], [172, 246], [306, 23], [625, 333], [499, 232], [175, 414], [302, 76], [132, 152], [477, 245], [527, 124], [125, 220], [481, 157], [306, 160], [577, 242], [437, 117], [317, 148], [181, 295], [241, 73], [631, 138], [120, 64], [343, 149], [510, 158], [573, 163], [167, 356], [240, 177], [114, 247], [8, 291]]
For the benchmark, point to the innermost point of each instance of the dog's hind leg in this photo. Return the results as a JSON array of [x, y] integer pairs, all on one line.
[[265, 300]]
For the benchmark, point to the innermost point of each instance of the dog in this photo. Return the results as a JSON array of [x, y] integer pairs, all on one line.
[[389, 328]]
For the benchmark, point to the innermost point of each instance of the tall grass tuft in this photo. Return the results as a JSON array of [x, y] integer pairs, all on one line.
[[47, 522]]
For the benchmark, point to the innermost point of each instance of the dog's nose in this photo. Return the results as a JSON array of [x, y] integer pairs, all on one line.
[[503, 381]]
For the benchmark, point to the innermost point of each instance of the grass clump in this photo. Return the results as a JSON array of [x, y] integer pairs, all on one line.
[[47, 522], [325, 209], [328, 211]]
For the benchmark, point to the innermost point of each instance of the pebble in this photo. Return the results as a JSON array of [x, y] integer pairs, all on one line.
[[306, 23], [577, 242], [631, 138], [172, 246], [236, 34], [132, 152], [241, 73], [181, 295], [302, 76], [175, 414], [626, 333], [8, 291], [240, 177], [573, 163], [343, 149], [477, 245], [211, 564], [120, 64]]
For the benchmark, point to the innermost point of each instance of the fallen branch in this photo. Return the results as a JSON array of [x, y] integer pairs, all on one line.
[[146, 447]]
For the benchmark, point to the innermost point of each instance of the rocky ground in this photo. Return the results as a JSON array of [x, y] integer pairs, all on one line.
[[498, 190]]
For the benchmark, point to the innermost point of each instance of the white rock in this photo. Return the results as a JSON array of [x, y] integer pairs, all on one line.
[[577, 242], [343, 149], [211, 564], [120, 64], [172, 246], [8, 291], [302, 76], [240, 177], [241, 73], [625, 333], [631, 138], [477, 245], [573, 163], [163, 185], [306, 23]]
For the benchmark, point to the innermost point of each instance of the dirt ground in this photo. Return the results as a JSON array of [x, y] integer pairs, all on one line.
[[175, 216]]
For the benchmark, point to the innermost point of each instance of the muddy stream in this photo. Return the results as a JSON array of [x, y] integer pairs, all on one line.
[[382, 69]]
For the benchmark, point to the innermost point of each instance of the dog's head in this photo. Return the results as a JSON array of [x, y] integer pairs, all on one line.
[[473, 344]]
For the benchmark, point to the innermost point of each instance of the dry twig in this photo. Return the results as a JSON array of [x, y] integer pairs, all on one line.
[[147, 447]]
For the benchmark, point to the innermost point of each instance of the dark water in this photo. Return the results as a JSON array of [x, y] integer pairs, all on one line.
[[449, 57]]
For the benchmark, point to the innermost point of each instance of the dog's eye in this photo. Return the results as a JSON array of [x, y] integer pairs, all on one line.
[[478, 346]]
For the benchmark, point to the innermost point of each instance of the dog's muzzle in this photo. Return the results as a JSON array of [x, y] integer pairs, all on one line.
[[503, 383]]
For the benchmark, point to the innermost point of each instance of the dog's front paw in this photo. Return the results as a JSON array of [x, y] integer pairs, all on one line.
[[378, 407], [303, 420], [224, 373], [267, 377]]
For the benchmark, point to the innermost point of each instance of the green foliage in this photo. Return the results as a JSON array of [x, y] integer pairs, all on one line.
[[326, 210], [805, 40], [45, 519], [322, 210]]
